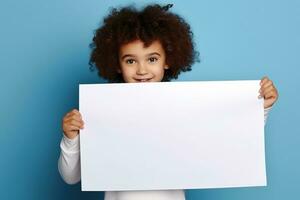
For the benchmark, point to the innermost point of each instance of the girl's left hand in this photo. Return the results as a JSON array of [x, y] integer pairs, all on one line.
[[268, 91]]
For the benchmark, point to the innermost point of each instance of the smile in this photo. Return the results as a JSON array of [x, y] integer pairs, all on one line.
[[143, 80]]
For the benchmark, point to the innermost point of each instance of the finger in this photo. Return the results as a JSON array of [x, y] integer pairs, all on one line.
[[263, 80], [71, 128], [75, 112], [75, 122], [76, 117], [72, 112], [270, 95], [68, 114], [73, 116], [267, 84], [266, 90]]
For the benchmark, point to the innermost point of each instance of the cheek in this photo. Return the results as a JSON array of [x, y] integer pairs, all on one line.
[[158, 70], [127, 71]]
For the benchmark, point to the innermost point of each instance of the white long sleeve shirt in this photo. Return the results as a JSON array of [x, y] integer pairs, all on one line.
[[69, 169]]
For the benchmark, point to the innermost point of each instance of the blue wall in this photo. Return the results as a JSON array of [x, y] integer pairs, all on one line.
[[44, 56]]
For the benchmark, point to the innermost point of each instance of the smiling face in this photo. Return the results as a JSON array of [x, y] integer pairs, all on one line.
[[140, 64]]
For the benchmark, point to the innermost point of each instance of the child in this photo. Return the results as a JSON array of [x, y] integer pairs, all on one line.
[[151, 45]]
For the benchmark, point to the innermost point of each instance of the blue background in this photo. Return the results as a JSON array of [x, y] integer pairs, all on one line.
[[44, 55]]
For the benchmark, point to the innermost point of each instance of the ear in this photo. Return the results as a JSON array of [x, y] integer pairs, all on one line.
[[119, 71], [166, 67]]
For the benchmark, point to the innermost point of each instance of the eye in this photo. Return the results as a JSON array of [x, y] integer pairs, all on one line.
[[152, 59], [130, 61]]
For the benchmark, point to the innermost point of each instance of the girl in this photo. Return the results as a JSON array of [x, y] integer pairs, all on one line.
[[151, 45]]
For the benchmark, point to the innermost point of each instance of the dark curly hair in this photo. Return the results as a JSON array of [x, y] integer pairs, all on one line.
[[152, 23]]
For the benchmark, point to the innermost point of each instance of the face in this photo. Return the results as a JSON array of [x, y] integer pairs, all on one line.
[[139, 64]]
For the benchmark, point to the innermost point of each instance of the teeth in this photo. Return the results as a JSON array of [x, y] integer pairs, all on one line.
[[143, 80]]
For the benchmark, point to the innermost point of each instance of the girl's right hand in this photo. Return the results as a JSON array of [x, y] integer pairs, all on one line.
[[72, 123]]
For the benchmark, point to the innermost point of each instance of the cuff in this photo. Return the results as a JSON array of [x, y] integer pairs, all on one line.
[[266, 113], [268, 109], [70, 145]]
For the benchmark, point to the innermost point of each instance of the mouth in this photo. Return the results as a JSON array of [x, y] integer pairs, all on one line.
[[143, 80]]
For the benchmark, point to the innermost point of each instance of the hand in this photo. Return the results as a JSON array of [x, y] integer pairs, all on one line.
[[268, 91], [72, 123]]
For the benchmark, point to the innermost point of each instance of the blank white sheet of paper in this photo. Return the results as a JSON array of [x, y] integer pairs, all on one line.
[[172, 135]]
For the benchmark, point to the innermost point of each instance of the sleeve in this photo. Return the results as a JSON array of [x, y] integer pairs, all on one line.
[[266, 113], [69, 160]]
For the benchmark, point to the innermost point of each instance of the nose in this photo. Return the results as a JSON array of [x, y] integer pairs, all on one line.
[[141, 70]]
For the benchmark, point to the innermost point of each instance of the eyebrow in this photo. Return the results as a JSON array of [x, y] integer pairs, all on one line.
[[132, 55]]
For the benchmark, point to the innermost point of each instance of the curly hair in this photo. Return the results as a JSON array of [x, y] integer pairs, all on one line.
[[152, 23]]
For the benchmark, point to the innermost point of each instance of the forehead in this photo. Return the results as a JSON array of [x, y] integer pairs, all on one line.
[[137, 48]]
